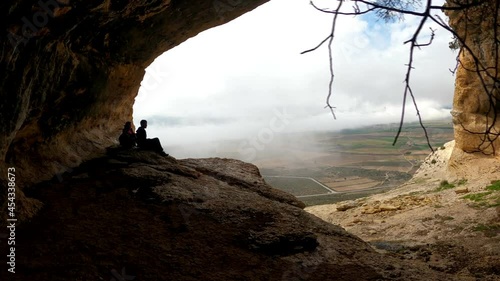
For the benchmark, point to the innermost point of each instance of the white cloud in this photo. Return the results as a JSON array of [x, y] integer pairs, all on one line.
[[226, 82]]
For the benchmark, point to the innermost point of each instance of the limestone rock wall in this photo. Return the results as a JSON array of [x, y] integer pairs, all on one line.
[[475, 103], [71, 71]]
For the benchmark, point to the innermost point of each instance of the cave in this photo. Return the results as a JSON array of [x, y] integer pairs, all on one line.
[[85, 62], [72, 70]]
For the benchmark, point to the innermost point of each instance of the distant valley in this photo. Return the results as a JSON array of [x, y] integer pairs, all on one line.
[[352, 163]]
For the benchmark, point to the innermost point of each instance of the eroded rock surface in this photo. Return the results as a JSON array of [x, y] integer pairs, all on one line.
[[71, 71], [453, 226], [196, 219], [475, 103]]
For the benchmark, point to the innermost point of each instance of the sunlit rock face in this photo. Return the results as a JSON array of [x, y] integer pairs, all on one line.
[[475, 102], [71, 71]]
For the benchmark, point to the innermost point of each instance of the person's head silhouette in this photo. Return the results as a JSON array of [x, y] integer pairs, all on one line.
[[127, 125], [144, 124]]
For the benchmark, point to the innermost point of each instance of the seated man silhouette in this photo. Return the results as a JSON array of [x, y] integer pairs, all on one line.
[[148, 144]]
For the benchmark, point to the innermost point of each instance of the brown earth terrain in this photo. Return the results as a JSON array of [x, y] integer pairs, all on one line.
[[68, 86], [136, 214], [452, 226]]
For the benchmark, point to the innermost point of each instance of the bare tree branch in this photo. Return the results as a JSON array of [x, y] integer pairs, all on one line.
[[329, 38], [392, 8]]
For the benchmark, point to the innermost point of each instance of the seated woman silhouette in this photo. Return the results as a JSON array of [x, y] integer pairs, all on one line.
[[127, 138], [148, 144]]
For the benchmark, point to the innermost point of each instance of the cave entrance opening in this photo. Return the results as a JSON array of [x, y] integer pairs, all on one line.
[[229, 83], [231, 91]]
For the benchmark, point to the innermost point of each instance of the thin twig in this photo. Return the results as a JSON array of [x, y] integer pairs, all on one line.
[[330, 55], [329, 38], [483, 71], [408, 90]]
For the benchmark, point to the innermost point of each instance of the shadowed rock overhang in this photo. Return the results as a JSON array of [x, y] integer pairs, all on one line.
[[72, 69]]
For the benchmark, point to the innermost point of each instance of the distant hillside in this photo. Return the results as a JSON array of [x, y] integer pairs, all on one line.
[[412, 135], [347, 161]]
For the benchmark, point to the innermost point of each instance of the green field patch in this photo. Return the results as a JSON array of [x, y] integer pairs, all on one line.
[[384, 163], [378, 139]]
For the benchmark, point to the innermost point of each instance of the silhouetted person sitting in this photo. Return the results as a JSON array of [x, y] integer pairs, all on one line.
[[148, 144], [127, 138]]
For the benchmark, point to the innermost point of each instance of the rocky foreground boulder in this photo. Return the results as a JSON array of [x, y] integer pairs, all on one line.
[[138, 214], [72, 70]]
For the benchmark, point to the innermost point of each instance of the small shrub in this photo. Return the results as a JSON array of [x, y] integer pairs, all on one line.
[[433, 161], [491, 230], [443, 185], [476, 197], [495, 186]]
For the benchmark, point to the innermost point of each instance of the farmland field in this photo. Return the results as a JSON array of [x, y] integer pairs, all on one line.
[[297, 186], [353, 162]]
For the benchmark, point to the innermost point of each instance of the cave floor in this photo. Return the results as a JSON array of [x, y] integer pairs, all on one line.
[[452, 229]]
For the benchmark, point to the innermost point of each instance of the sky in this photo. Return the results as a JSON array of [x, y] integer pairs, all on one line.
[[248, 78]]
